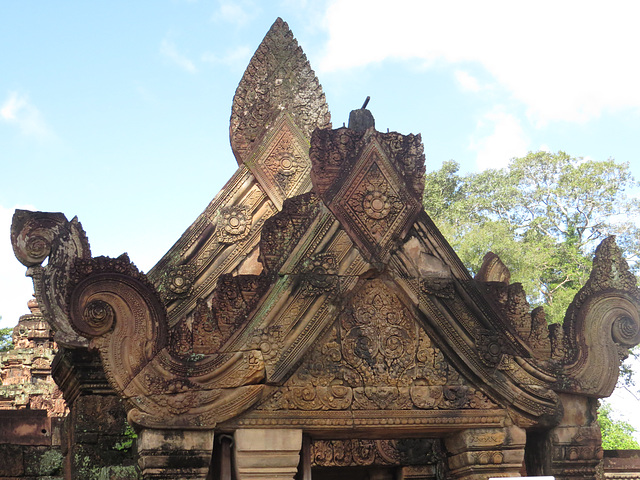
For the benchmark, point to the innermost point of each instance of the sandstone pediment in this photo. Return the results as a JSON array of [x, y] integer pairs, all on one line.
[[315, 294]]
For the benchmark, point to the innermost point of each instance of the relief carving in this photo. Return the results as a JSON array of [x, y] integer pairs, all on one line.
[[177, 282], [539, 336], [361, 452], [282, 232], [601, 324], [492, 348], [376, 358], [319, 275], [278, 78], [368, 180], [36, 236], [234, 223]]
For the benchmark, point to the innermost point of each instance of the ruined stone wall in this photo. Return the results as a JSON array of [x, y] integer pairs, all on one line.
[[30, 445], [40, 437], [25, 371]]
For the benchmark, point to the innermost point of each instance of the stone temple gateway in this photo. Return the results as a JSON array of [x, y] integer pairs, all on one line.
[[314, 323]]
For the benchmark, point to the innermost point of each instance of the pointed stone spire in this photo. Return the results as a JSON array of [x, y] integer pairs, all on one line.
[[278, 79]]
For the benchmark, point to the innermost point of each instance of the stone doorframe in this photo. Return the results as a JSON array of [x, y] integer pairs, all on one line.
[[276, 453]]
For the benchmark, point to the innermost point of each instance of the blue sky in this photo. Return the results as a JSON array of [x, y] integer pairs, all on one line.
[[118, 112]]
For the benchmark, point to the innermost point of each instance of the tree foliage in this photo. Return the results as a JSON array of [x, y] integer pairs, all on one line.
[[6, 342], [543, 216], [616, 434]]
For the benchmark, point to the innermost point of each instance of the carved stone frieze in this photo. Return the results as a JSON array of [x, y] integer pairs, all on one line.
[[361, 452]]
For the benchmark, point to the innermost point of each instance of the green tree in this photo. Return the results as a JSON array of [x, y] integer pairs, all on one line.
[[543, 216], [6, 342], [616, 434]]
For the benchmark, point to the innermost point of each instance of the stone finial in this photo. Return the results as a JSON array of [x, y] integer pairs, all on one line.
[[493, 270], [278, 79], [33, 306], [360, 120]]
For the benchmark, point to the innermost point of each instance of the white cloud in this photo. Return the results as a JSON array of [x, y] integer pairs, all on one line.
[[234, 12], [466, 81], [567, 60], [238, 56], [17, 110], [15, 288], [498, 138], [169, 50]]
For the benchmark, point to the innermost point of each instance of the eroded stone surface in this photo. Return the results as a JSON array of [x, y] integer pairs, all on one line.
[[315, 303]]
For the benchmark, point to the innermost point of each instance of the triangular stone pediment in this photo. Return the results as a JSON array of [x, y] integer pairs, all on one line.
[[314, 294], [376, 356]]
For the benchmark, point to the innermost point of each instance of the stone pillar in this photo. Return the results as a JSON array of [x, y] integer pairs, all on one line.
[[576, 443], [266, 453], [175, 454], [98, 443], [486, 452]]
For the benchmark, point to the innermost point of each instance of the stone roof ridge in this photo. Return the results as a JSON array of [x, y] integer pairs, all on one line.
[[278, 78]]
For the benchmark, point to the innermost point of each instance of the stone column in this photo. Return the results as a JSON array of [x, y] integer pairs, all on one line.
[[266, 453], [175, 454], [486, 452], [576, 443], [97, 441]]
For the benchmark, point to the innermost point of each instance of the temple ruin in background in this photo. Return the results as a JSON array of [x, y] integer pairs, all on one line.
[[313, 321]]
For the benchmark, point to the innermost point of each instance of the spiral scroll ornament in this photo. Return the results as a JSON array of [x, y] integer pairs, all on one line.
[[38, 247], [97, 319], [625, 331]]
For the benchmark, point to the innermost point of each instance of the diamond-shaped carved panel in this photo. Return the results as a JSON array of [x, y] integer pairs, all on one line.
[[373, 205], [282, 164]]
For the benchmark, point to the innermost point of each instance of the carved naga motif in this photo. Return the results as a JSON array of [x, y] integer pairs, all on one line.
[[36, 236], [108, 305], [600, 325]]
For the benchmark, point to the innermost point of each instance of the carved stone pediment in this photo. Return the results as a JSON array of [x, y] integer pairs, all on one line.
[[375, 356], [315, 294], [278, 79]]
